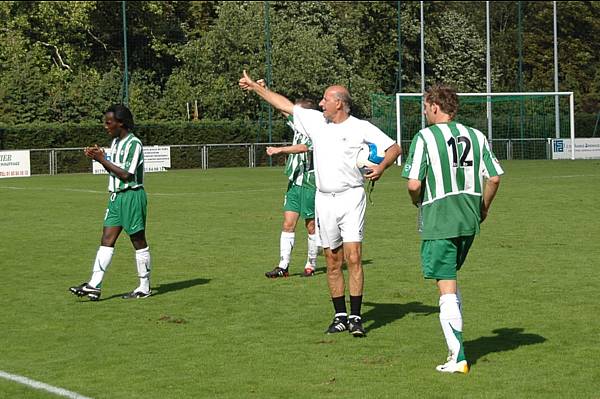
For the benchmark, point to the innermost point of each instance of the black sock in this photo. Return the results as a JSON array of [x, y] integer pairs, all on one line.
[[339, 304], [355, 303]]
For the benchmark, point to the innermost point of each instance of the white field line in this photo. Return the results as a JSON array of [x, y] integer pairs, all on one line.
[[77, 190], [565, 176], [81, 190], [40, 385]]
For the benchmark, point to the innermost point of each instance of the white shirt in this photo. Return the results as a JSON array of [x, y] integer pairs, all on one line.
[[335, 147]]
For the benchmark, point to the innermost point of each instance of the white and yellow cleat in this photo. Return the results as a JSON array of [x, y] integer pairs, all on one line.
[[454, 367]]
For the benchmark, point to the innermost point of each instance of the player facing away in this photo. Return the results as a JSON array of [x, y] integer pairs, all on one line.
[[340, 200], [299, 198], [445, 168], [126, 205]]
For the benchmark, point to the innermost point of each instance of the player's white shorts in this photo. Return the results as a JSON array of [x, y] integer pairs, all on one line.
[[340, 216]]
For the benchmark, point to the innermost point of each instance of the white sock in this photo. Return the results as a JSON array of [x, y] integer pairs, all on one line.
[[286, 244], [452, 325], [312, 251], [143, 262], [101, 263]]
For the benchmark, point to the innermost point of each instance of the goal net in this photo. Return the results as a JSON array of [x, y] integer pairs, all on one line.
[[517, 125]]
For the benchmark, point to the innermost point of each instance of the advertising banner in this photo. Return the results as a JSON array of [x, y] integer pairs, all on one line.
[[156, 159], [584, 148], [15, 164]]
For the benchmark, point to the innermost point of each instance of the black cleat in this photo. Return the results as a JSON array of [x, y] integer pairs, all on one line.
[[86, 290], [355, 327], [277, 272], [137, 295], [339, 324]]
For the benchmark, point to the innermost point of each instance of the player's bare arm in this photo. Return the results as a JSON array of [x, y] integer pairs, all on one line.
[[264, 84], [391, 154], [292, 149], [414, 190], [98, 154], [276, 100], [491, 188]]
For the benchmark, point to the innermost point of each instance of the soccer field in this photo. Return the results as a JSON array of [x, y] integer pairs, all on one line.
[[216, 327]]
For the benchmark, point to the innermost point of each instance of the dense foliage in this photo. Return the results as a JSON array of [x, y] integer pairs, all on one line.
[[63, 61]]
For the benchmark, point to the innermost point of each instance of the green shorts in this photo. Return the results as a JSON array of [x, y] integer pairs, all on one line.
[[301, 200], [441, 259], [127, 209]]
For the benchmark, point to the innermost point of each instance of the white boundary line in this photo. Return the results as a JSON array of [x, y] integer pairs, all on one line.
[[78, 190], [40, 385]]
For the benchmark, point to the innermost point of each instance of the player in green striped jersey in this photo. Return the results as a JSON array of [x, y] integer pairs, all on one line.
[[445, 168], [299, 198], [126, 205]]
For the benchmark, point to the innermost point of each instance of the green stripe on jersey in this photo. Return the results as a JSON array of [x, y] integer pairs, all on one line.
[[443, 156], [476, 158], [488, 161], [298, 167], [128, 155], [430, 186], [454, 159]]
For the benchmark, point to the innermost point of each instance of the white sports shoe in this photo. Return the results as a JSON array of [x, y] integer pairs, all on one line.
[[454, 367]]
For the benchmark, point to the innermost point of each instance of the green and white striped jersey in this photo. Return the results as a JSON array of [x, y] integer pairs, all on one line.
[[450, 160], [299, 168], [127, 154]]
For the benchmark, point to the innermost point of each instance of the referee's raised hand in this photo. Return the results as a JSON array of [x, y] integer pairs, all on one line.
[[246, 82]]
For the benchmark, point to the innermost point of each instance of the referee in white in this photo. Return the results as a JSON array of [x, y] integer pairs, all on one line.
[[340, 199]]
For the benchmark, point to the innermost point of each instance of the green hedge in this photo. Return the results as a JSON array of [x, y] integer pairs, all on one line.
[[585, 124], [64, 135], [52, 135]]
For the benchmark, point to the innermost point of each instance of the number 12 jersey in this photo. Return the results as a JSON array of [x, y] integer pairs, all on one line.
[[451, 161]]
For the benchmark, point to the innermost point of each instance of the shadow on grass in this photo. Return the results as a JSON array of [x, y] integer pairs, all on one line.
[[169, 287], [178, 285], [506, 339], [385, 313]]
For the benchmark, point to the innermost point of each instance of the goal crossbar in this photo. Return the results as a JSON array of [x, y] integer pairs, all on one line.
[[495, 94]]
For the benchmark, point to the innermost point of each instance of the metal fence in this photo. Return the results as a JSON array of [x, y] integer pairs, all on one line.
[[55, 161]]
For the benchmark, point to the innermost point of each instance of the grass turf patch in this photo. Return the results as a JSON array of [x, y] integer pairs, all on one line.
[[216, 327]]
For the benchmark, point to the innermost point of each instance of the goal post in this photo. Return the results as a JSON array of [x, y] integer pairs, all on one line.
[[520, 125]]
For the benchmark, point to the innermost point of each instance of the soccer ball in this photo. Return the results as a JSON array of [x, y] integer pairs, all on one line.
[[367, 156]]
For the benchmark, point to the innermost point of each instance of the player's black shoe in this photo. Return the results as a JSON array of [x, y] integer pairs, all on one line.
[[277, 272], [355, 327], [86, 290], [137, 295], [339, 324]]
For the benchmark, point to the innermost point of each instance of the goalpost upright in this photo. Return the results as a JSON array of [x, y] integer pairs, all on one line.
[[490, 97]]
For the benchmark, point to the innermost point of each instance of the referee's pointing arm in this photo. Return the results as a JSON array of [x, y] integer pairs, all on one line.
[[276, 100]]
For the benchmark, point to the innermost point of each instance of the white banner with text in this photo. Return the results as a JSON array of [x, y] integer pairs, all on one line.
[[156, 159], [15, 164], [584, 148]]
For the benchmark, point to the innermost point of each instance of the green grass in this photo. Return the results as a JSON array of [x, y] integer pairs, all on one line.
[[218, 328]]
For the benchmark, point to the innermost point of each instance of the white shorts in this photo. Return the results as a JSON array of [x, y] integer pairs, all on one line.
[[340, 216]]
